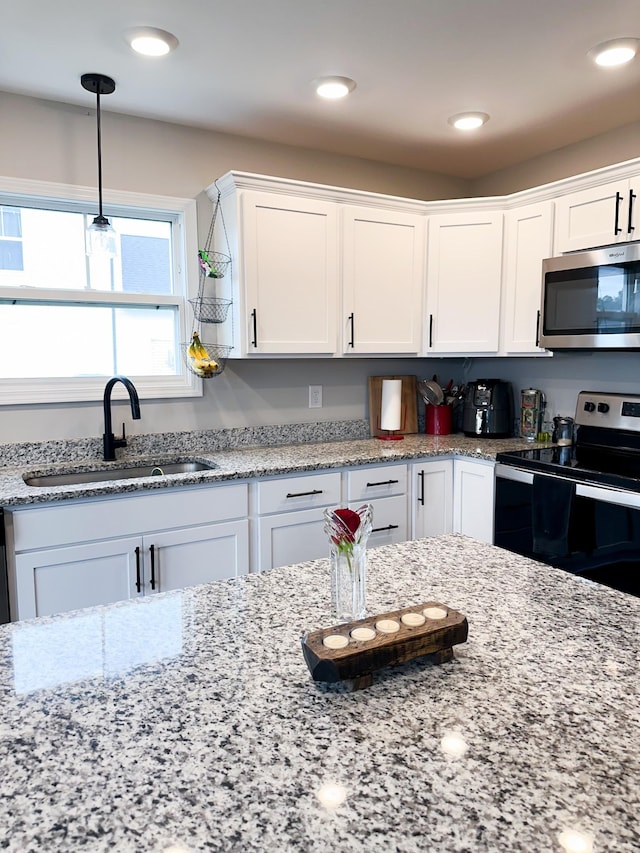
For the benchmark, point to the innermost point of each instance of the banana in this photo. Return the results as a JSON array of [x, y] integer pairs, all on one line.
[[201, 362]]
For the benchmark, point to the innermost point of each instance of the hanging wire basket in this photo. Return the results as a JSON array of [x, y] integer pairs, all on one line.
[[211, 365], [213, 264], [210, 309]]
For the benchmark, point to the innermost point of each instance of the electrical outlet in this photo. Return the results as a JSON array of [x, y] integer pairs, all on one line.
[[315, 396]]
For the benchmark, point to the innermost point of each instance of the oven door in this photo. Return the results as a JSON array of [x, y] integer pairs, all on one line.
[[591, 300], [590, 530]]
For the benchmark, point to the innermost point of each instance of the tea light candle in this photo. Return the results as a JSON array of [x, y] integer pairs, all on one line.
[[388, 626], [363, 634], [434, 612], [335, 641], [412, 619]]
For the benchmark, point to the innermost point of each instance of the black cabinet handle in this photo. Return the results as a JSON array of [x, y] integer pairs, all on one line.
[[138, 581], [430, 330], [383, 483], [630, 227], [304, 494], [152, 553], [538, 328], [616, 228], [421, 478], [388, 527], [254, 320], [353, 330]]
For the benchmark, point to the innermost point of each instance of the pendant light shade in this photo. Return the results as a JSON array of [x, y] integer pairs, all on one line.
[[101, 238]]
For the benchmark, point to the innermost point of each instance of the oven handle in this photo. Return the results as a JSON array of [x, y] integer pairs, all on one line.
[[607, 494]]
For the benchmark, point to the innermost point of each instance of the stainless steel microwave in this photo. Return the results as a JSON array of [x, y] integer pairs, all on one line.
[[591, 300]]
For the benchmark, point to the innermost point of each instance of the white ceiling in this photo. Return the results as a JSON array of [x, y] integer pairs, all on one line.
[[245, 66]]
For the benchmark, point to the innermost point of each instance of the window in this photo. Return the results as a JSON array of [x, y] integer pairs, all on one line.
[[68, 322]]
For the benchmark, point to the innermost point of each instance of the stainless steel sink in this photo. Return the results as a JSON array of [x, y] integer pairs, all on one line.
[[73, 478]]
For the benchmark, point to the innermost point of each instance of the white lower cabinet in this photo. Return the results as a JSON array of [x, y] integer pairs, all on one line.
[[385, 487], [82, 554], [473, 488], [432, 497], [290, 519]]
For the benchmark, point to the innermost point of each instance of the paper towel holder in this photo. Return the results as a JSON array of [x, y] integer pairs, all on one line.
[[391, 410]]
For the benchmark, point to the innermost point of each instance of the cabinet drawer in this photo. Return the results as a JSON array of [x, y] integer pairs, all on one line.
[[389, 521], [302, 492], [84, 521], [365, 484]]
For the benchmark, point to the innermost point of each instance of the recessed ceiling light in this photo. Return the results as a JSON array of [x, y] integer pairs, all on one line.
[[333, 87], [615, 52], [468, 121], [150, 41]]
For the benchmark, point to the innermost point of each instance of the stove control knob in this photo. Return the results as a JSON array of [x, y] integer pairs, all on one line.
[[603, 407], [589, 406]]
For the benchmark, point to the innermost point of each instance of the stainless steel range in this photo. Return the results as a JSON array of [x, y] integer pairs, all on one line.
[[578, 507]]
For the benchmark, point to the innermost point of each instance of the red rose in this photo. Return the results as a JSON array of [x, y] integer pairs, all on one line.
[[350, 521]]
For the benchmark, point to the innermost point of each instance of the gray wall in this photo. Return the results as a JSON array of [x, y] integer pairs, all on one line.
[[56, 142]]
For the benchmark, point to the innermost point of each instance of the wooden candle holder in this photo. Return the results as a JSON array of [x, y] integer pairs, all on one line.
[[427, 630]]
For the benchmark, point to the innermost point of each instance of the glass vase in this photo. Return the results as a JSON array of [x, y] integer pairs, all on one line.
[[348, 544]]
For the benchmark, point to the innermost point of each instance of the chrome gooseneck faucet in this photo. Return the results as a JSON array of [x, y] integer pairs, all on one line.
[[110, 442]]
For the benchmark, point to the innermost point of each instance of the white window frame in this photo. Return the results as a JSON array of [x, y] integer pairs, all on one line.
[[183, 213]]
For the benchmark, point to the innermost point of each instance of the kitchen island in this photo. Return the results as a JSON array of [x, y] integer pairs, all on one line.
[[188, 721]]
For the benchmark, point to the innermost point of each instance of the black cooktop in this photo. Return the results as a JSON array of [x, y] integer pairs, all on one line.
[[619, 470]]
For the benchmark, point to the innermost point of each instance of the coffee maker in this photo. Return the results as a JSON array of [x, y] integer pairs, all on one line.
[[488, 409]]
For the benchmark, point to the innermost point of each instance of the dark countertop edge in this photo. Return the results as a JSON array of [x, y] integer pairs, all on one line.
[[247, 463]]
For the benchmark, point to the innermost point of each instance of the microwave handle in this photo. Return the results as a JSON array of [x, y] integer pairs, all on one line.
[[616, 226], [630, 227], [538, 328]]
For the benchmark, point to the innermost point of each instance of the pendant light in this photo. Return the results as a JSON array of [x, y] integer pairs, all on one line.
[[101, 238]]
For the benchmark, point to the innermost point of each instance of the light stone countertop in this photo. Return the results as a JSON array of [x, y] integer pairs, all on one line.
[[188, 721], [235, 463]]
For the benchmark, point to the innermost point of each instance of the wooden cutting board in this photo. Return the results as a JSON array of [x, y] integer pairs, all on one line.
[[408, 404]]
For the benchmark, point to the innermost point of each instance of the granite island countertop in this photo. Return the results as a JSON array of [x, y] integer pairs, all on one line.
[[240, 463], [188, 721]]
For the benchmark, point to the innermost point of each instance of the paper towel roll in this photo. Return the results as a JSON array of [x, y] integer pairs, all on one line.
[[390, 410]]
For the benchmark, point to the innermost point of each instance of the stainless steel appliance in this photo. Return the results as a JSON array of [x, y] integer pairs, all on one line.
[[488, 409], [591, 300], [578, 507]]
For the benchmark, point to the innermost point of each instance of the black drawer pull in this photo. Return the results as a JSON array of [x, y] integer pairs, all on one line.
[[352, 339], [630, 227], [421, 498], [383, 483], [138, 582], [304, 494], [152, 552], [388, 527]]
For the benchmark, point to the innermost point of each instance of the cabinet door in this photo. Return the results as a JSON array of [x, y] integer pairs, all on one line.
[[473, 495], [528, 240], [194, 555], [598, 216], [432, 498], [464, 270], [62, 579], [290, 267], [291, 537], [383, 281]]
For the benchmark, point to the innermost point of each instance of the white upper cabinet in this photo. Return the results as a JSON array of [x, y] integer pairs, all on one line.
[[464, 272], [383, 281], [285, 275], [598, 216], [528, 240]]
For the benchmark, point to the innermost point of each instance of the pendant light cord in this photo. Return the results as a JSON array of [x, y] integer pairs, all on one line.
[[99, 155]]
